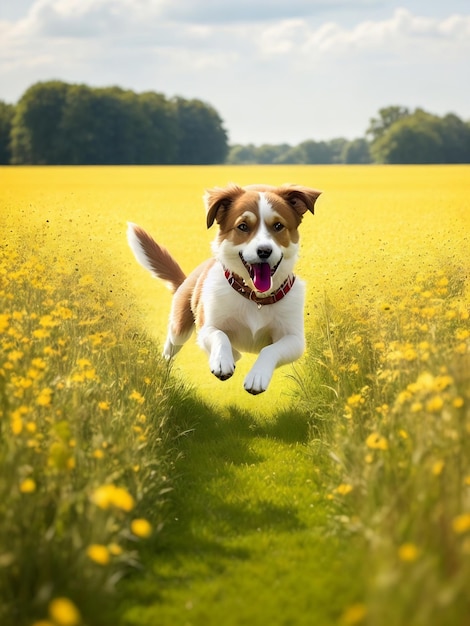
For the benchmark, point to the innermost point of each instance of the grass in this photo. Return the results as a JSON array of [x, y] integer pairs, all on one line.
[[341, 496]]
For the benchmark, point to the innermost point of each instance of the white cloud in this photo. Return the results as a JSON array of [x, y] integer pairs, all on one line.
[[402, 29], [285, 70]]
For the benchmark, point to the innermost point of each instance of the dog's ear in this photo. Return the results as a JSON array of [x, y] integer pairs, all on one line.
[[301, 199], [218, 200]]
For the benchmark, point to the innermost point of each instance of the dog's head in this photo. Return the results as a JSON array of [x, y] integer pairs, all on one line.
[[258, 235]]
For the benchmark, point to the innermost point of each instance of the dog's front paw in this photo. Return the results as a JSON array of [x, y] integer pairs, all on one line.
[[222, 367], [257, 381]]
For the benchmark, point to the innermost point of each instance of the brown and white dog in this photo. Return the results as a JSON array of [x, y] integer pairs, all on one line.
[[246, 298]]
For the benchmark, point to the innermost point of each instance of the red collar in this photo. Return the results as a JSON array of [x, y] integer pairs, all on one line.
[[237, 283]]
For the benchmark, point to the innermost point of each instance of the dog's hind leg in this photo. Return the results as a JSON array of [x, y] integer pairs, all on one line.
[[181, 323]]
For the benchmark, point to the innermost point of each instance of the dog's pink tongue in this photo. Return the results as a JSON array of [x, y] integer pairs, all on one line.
[[262, 277]]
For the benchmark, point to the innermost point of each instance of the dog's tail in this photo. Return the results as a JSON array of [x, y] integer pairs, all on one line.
[[154, 258]]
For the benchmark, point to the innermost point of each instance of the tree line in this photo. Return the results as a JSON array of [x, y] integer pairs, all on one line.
[[396, 135], [59, 123]]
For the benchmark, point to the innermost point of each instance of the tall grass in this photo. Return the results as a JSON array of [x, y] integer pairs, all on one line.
[[89, 413], [390, 408], [85, 406]]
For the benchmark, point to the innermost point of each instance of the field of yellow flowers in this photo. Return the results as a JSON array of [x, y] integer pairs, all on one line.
[[90, 416]]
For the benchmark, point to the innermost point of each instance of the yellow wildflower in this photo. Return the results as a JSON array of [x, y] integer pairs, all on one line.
[[408, 552], [141, 528], [135, 395], [376, 442], [63, 612], [434, 404], [104, 405], [110, 495], [461, 523], [115, 549], [15, 356], [44, 397], [354, 614], [343, 489], [28, 485], [4, 321], [83, 363], [47, 321], [458, 402], [437, 467], [41, 333], [98, 553]]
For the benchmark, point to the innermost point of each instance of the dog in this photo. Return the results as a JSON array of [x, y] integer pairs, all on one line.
[[245, 298]]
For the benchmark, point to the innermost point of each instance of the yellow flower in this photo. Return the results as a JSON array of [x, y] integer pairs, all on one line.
[[442, 382], [47, 321], [110, 495], [104, 405], [123, 500], [376, 442], [354, 614], [28, 485], [434, 404], [16, 424], [63, 612], [41, 333], [44, 397], [115, 549], [343, 489], [4, 321], [458, 402], [135, 395], [83, 363], [461, 523], [408, 552], [141, 528], [15, 356], [437, 467], [98, 553]]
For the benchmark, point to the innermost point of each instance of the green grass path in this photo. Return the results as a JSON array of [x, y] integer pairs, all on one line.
[[249, 538]]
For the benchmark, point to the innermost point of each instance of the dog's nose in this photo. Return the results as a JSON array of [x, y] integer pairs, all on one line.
[[264, 252]]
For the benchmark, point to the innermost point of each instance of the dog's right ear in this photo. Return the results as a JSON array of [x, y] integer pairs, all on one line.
[[218, 200]]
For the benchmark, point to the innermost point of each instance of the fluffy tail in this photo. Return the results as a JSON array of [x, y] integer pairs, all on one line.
[[154, 258]]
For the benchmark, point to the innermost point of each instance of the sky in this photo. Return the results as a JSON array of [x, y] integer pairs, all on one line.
[[276, 71]]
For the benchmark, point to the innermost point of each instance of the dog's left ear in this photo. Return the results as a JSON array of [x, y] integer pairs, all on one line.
[[301, 199], [218, 200]]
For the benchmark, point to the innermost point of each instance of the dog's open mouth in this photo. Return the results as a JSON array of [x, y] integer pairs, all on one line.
[[261, 274]]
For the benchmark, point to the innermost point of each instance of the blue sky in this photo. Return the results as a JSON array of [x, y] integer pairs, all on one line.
[[275, 70]]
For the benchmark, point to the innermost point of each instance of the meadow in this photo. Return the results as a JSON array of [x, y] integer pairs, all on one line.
[[135, 493]]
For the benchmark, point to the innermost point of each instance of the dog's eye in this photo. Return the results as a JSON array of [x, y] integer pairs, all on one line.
[[278, 227], [243, 227]]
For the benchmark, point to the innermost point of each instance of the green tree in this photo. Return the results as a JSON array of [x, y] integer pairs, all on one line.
[[155, 130], [356, 151], [455, 135], [424, 138], [6, 122], [38, 114], [386, 118], [242, 155], [202, 138]]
